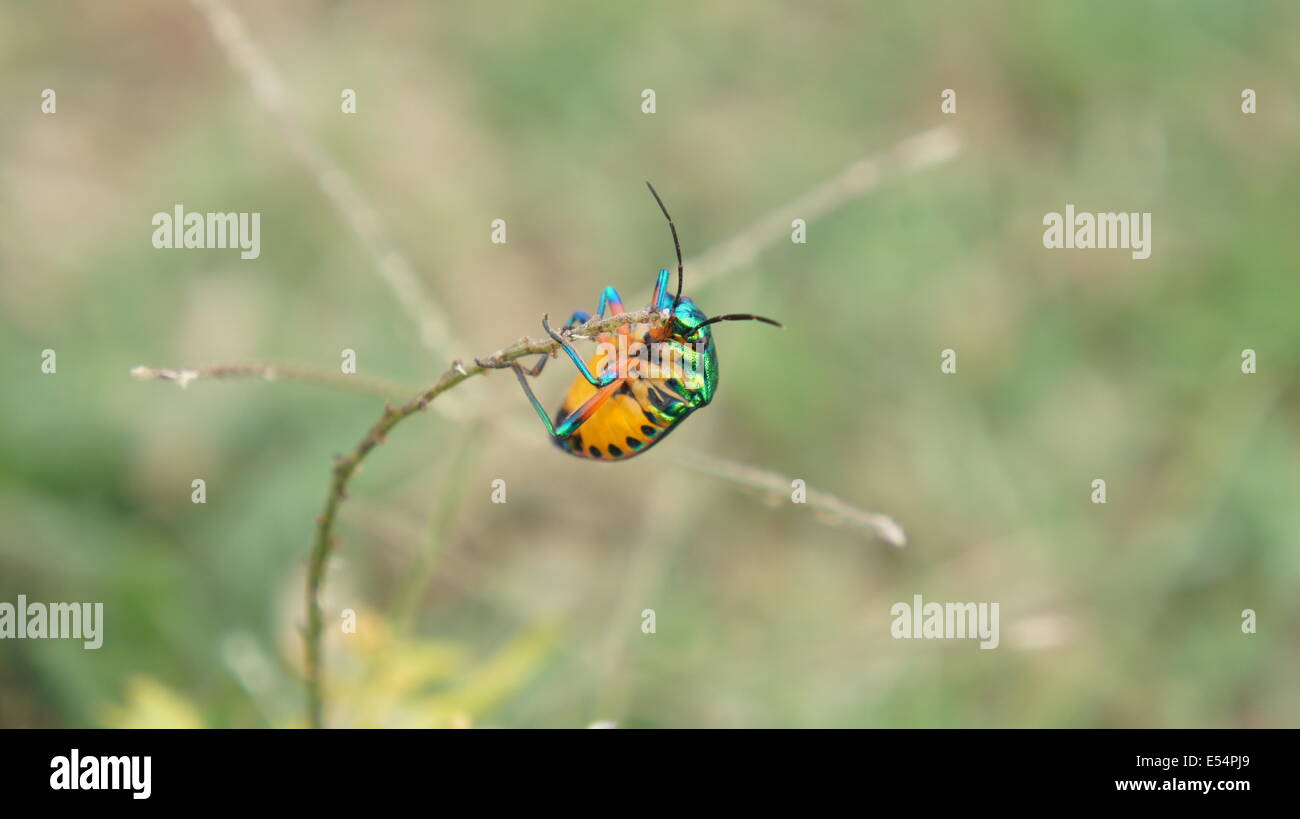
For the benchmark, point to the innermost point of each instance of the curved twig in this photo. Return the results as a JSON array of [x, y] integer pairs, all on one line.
[[346, 465]]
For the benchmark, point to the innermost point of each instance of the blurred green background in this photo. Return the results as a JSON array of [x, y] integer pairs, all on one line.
[[1072, 365]]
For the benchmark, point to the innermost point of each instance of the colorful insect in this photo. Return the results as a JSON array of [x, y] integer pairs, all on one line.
[[642, 382]]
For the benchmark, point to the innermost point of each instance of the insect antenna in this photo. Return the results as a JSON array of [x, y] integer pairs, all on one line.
[[676, 244], [740, 317], [737, 317]]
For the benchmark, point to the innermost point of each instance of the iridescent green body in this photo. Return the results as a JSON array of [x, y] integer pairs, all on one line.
[[643, 381], [664, 372]]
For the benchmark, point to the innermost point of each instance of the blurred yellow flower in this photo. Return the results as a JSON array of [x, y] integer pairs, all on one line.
[[381, 677], [150, 704]]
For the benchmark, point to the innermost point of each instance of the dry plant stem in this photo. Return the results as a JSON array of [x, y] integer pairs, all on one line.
[[346, 465], [881, 526], [184, 376], [394, 269], [921, 150]]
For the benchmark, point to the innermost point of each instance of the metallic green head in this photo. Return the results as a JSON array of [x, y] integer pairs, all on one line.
[[690, 341]]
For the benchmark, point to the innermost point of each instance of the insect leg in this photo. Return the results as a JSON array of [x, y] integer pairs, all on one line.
[[609, 296], [661, 300], [576, 359], [579, 416], [609, 299], [578, 317]]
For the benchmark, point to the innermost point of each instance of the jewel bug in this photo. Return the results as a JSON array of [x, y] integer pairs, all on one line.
[[632, 393]]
